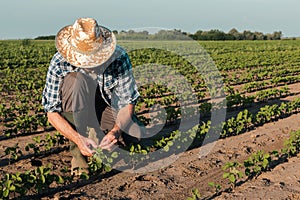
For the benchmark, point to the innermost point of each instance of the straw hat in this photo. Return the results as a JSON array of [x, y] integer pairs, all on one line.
[[85, 44]]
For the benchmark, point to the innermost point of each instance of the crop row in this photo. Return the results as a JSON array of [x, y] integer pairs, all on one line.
[[259, 74], [236, 173], [24, 121], [234, 100], [39, 146]]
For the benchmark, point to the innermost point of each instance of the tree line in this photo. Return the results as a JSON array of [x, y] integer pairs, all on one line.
[[233, 34], [176, 34]]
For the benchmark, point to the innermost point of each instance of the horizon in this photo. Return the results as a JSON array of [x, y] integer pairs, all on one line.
[[153, 33]]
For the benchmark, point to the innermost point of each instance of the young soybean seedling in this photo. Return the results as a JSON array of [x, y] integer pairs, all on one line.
[[257, 163], [195, 195], [216, 186], [232, 174], [13, 152]]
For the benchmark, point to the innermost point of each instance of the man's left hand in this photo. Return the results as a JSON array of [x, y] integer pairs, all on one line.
[[109, 140]]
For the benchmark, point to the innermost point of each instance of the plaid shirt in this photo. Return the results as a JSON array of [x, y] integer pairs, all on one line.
[[115, 78]]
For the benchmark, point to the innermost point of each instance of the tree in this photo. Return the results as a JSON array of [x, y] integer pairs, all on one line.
[[260, 36], [248, 35], [234, 32], [277, 35]]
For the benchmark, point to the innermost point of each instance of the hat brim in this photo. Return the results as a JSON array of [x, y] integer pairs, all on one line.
[[81, 59]]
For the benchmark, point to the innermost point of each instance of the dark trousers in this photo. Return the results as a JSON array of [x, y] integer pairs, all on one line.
[[84, 108]]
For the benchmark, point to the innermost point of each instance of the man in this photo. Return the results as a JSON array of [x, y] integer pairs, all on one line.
[[90, 88]]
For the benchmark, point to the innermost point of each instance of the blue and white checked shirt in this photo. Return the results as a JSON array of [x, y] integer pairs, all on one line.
[[116, 80]]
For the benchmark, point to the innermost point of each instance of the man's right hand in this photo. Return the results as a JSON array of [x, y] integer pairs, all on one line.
[[85, 145], [67, 130]]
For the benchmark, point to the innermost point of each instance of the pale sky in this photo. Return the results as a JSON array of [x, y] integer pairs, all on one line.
[[31, 18]]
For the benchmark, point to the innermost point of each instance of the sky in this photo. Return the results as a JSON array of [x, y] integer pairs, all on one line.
[[21, 19]]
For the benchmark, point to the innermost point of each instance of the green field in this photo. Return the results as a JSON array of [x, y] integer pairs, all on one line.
[[246, 75]]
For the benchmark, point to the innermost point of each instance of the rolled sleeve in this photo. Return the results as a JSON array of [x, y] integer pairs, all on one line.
[[126, 91]]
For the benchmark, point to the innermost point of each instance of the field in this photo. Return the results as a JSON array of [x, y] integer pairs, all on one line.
[[222, 118]]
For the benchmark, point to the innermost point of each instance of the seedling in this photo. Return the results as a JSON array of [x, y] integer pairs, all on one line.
[[232, 173]]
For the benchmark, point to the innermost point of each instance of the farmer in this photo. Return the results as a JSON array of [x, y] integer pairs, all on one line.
[[90, 92]]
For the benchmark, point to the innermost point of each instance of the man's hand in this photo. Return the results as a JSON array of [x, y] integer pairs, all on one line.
[[67, 130], [109, 140], [85, 146], [124, 118]]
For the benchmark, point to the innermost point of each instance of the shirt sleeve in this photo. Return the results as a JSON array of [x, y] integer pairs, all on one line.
[[126, 90], [51, 98]]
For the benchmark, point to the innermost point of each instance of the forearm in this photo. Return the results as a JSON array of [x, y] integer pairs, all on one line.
[[124, 118], [61, 125]]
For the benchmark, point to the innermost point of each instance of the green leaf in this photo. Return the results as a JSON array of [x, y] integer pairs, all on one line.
[[265, 163], [232, 178], [114, 155], [109, 160], [47, 171], [139, 147], [107, 168], [131, 148], [31, 178], [247, 171], [8, 183], [43, 179], [170, 143], [144, 152], [166, 148], [6, 192], [240, 175], [98, 160], [275, 153], [196, 193], [40, 170], [225, 175], [19, 179], [12, 188], [212, 184], [84, 176], [257, 169], [60, 180]]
